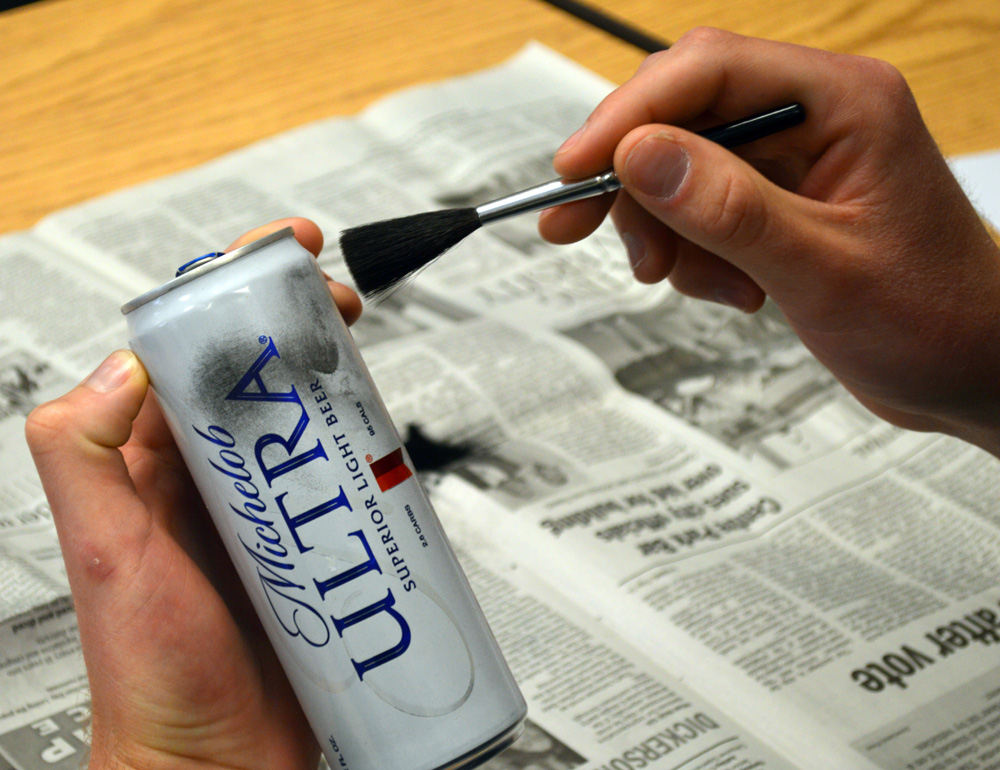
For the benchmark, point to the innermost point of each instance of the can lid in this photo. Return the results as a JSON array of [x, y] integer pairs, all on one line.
[[203, 264]]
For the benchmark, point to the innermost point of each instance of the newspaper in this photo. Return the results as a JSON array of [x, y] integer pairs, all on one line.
[[696, 550]]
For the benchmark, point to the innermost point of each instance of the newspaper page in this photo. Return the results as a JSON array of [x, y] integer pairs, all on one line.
[[841, 567], [978, 173], [705, 497], [850, 573], [594, 700]]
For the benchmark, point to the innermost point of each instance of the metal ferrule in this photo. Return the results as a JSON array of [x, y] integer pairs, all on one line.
[[546, 195]]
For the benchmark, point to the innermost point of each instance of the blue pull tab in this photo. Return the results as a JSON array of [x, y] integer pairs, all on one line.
[[196, 262]]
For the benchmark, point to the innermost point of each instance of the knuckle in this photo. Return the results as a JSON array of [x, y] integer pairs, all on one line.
[[738, 218], [605, 108], [707, 37], [46, 425], [885, 74], [888, 84], [707, 50], [652, 61]]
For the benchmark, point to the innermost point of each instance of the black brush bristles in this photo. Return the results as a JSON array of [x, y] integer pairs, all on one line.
[[382, 254]]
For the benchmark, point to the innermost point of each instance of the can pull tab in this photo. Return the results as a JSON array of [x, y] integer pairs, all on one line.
[[197, 262]]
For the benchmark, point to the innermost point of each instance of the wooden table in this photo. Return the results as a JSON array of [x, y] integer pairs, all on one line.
[[99, 94]]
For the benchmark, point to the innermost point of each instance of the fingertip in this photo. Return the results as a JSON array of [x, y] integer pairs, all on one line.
[[587, 152], [573, 140], [581, 162], [653, 161], [572, 222], [97, 413], [348, 301], [307, 233], [109, 399], [114, 371], [703, 275], [650, 245], [748, 298], [652, 267], [565, 160]]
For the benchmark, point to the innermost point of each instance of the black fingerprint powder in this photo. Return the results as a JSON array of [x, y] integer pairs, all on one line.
[[299, 315]]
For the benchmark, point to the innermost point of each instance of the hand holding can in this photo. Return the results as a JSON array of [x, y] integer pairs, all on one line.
[[175, 609]]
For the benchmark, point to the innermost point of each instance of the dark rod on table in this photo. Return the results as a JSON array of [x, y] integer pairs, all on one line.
[[617, 27]]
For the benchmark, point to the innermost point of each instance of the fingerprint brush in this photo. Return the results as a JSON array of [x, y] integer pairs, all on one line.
[[382, 254]]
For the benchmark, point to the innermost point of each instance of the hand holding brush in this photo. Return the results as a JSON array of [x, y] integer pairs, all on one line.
[[382, 254], [852, 224]]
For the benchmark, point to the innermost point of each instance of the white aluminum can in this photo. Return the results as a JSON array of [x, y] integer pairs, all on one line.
[[313, 494]]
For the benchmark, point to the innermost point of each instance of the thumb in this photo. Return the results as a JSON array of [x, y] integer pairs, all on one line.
[[75, 442], [715, 200]]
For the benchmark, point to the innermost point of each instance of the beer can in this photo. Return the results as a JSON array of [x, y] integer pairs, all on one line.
[[314, 496]]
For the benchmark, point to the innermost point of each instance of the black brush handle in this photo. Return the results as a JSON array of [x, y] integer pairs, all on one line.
[[560, 191], [747, 130]]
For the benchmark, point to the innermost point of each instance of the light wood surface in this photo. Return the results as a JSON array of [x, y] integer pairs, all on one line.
[[96, 95]]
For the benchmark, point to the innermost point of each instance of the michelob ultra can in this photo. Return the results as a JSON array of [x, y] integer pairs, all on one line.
[[312, 492]]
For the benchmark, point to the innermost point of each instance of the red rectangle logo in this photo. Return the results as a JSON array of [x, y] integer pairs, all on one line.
[[390, 470]]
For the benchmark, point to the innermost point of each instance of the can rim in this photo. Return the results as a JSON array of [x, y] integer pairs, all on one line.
[[487, 750], [205, 267]]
